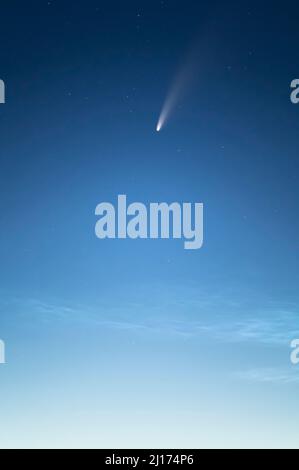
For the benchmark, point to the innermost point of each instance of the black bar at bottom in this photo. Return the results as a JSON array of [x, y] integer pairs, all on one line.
[[151, 458]]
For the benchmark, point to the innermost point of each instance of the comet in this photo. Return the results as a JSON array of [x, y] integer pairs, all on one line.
[[180, 85], [171, 100]]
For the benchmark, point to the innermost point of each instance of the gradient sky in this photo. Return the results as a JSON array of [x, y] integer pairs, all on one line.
[[140, 343]]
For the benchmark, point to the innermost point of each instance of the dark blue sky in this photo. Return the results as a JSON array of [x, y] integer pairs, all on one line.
[[85, 84]]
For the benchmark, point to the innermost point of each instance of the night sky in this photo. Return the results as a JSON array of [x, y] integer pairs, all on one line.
[[140, 343]]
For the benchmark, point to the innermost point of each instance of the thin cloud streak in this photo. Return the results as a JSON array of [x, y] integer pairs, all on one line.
[[269, 376], [268, 326]]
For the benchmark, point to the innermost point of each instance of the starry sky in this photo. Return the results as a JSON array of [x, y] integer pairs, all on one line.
[[140, 343]]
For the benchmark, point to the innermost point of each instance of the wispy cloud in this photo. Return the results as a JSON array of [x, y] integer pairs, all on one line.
[[213, 317], [270, 375], [227, 320]]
